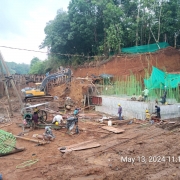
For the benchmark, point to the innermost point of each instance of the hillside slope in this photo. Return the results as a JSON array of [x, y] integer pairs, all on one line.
[[167, 59]]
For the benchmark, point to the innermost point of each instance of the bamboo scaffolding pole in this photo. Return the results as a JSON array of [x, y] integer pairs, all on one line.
[[32, 140], [11, 80], [7, 94]]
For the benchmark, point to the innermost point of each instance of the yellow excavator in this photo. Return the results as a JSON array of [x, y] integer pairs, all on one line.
[[39, 92]]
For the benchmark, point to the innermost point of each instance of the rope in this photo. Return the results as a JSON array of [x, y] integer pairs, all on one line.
[[74, 55], [27, 163]]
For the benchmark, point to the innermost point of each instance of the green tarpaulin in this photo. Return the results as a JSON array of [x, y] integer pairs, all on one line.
[[145, 48], [159, 79]]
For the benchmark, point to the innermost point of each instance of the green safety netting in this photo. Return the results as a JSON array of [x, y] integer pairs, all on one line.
[[7, 142], [159, 79], [145, 48]]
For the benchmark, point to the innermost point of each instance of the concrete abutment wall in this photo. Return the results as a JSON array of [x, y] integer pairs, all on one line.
[[136, 109]]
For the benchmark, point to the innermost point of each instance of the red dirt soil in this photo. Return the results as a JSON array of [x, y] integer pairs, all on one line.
[[76, 90], [167, 59], [155, 148]]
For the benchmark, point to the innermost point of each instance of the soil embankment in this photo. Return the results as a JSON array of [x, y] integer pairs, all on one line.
[[167, 59]]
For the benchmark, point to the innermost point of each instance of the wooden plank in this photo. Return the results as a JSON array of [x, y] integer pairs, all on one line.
[[96, 131], [113, 129], [31, 140], [42, 126], [53, 126], [80, 146]]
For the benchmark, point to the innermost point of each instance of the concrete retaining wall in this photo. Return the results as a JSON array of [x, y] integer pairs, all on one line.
[[135, 109]]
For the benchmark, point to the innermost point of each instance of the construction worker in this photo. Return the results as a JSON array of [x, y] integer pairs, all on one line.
[[35, 109], [148, 115], [163, 101], [76, 111], [158, 112], [71, 122], [146, 92], [48, 135], [57, 118], [140, 98], [35, 119], [120, 111], [133, 98]]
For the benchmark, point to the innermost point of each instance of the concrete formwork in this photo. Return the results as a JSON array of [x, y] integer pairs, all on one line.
[[136, 109]]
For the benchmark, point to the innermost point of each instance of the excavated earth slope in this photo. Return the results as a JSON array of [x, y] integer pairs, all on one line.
[[154, 148], [167, 59]]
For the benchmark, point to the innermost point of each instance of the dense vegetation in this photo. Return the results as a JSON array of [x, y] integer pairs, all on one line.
[[94, 28], [15, 68]]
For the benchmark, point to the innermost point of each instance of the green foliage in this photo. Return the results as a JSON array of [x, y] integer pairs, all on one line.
[[37, 68], [114, 37], [15, 68], [96, 27], [34, 61]]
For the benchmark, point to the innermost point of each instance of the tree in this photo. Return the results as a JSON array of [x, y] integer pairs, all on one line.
[[94, 27], [113, 27], [84, 26], [37, 68], [34, 61], [15, 68], [170, 23]]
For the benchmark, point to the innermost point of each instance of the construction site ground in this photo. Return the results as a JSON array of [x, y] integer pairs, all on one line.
[[152, 151], [155, 149]]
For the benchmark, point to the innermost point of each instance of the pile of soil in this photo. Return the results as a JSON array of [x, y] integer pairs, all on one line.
[[171, 126], [75, 90]]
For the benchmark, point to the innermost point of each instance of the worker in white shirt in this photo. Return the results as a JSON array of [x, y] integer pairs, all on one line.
[[58, 119], [146, 93]]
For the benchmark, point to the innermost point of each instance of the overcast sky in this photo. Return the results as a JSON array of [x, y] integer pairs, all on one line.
[[22, 24]]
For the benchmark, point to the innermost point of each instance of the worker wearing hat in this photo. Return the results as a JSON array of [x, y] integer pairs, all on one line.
[[57, 118], [120, 111], [148, 115]]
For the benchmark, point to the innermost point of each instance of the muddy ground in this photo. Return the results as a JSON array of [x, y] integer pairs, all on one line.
[[142, 151]]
